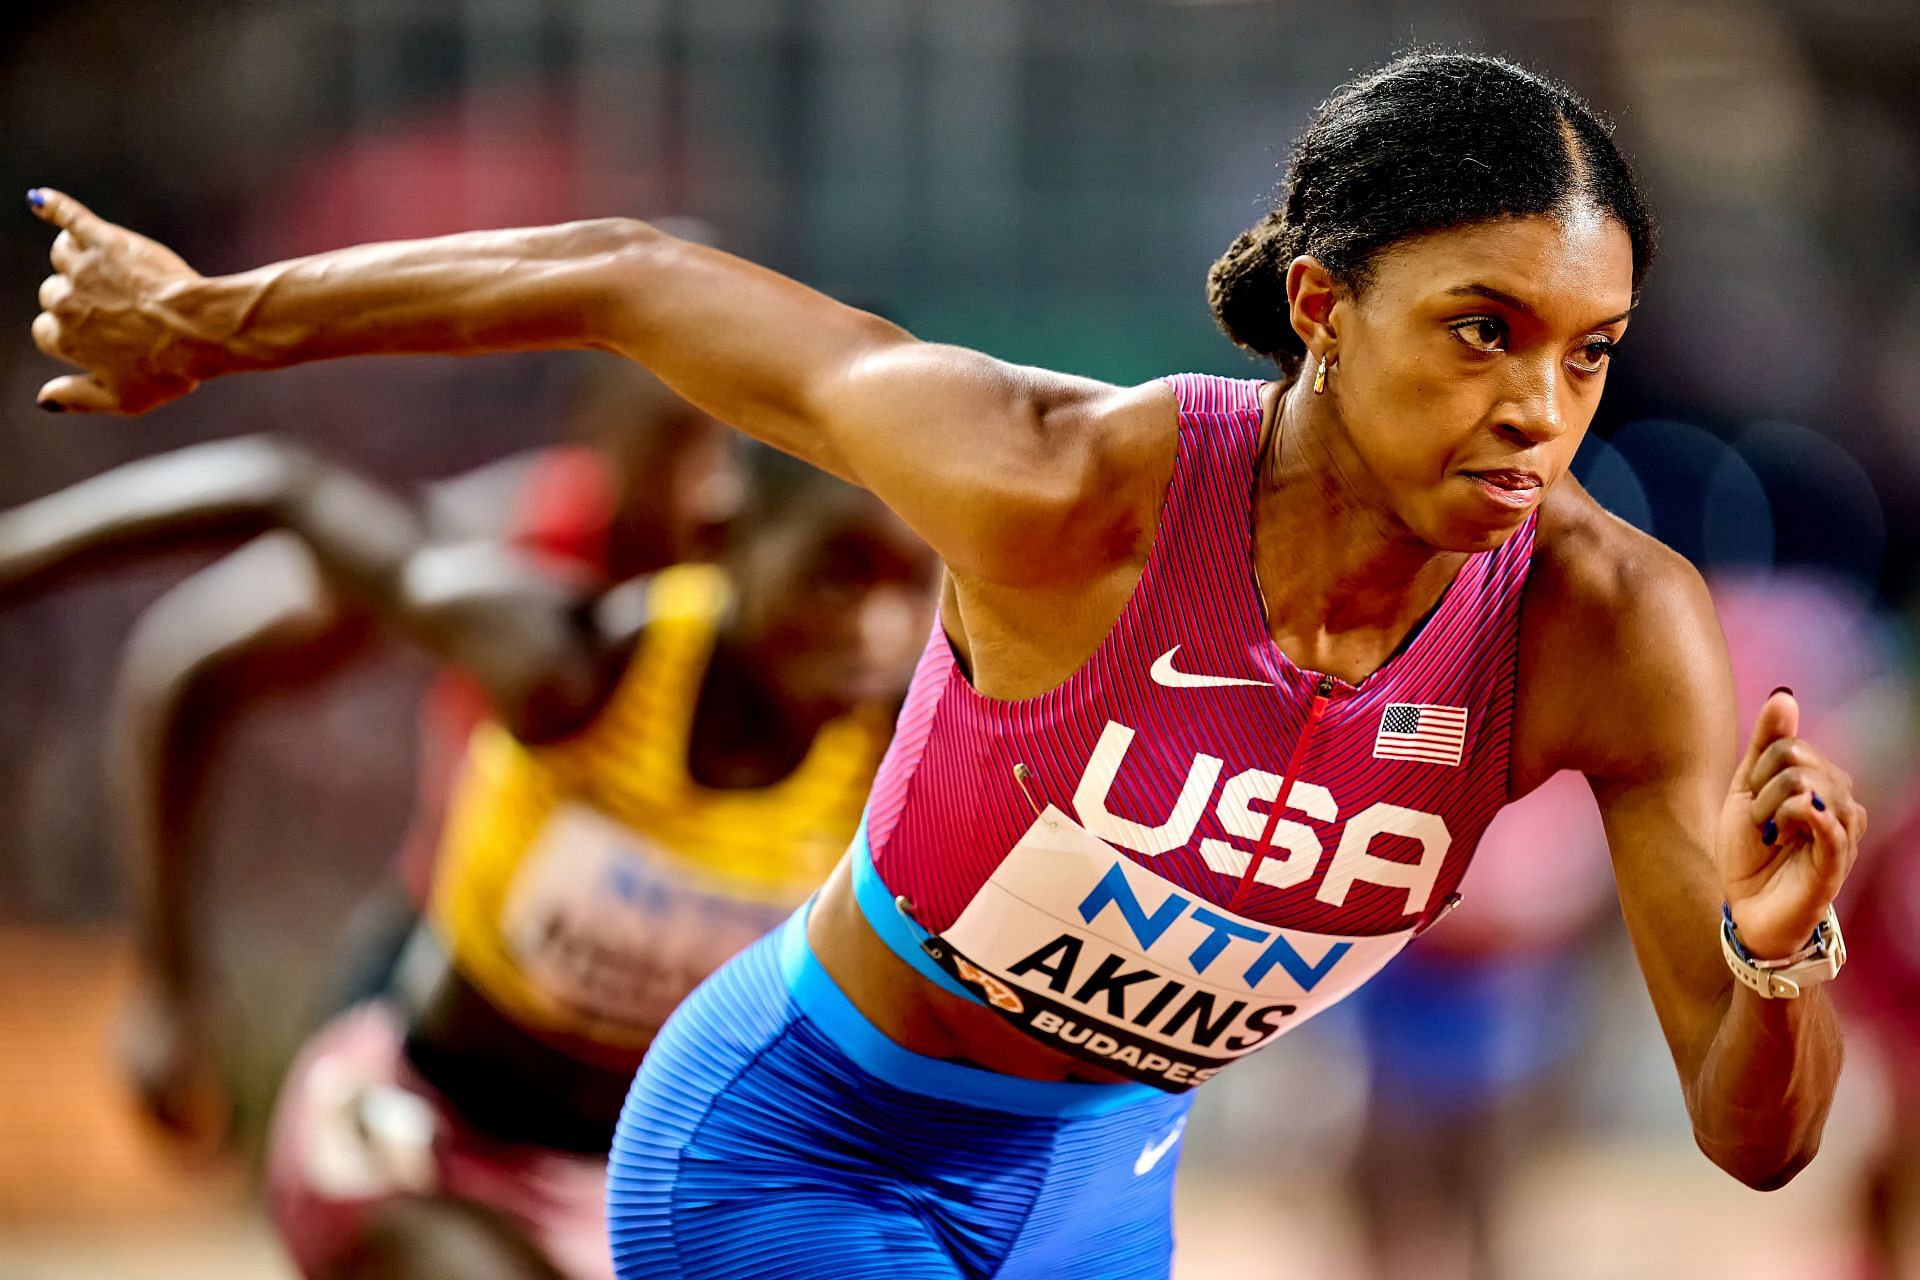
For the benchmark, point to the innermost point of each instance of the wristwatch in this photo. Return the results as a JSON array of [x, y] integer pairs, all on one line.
[[1784, 979]]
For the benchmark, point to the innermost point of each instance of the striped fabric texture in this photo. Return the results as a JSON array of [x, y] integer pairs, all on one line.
[[754, 1145], [947, 807]]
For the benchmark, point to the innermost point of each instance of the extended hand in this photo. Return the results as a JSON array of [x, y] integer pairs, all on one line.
[[1788, 834], [108, 308]]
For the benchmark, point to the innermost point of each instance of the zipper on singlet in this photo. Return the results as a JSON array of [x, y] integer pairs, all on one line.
[[1321, 692]]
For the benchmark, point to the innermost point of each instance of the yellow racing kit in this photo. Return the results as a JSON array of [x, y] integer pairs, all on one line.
[[586, 886]]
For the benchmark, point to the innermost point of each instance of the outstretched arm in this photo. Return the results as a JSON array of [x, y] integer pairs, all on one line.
[[521, 631], [1011, 473], [211, 497], [1691, 823], [260, 618]]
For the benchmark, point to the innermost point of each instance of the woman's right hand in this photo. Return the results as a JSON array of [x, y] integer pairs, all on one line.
[[107, 308]]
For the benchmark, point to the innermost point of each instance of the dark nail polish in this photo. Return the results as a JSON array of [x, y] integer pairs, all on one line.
[[51, 406], [1782, 689], [1770, 832], [1818, 803], [37, 198]]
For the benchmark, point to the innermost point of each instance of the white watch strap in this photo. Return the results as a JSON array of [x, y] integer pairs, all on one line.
[[1785, 979]]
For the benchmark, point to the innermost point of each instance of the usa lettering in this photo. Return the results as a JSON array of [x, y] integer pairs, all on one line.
[[1297, 851]]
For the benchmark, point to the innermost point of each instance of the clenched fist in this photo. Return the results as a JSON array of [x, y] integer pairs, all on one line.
[[1788, 835]]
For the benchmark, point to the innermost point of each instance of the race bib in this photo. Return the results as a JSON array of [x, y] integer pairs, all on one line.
[[1100, 957], [617, 931]]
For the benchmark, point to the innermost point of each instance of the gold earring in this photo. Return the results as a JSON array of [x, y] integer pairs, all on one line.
[[1320, 378]]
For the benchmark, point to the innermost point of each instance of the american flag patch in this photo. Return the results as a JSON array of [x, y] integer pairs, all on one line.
[[1419, 731]]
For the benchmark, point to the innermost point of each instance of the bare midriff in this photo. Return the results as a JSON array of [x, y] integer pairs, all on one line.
[[913, 1012]]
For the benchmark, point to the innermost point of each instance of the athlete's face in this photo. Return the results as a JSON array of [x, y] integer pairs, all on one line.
[[1469, 367], [836, 602]]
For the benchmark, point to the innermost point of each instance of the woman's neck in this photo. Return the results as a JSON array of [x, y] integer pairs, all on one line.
[[1343, 581]]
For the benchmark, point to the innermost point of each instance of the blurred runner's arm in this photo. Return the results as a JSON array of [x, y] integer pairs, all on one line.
[[524, 632], [1011, 473], [212, 496], [257, 619], [1655, 735], [263, 617]]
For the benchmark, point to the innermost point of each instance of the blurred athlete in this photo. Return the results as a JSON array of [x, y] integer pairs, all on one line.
[[1229, 678], [668, 767], [650, 482]]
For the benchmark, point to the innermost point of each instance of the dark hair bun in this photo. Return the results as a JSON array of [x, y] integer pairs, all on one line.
[[1247, 289], [1429, 142]]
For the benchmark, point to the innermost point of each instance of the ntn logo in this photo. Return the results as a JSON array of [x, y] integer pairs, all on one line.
[[1274, 948], [1297, 851]]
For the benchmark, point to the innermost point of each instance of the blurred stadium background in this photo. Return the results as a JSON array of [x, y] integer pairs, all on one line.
[[1047, 180]]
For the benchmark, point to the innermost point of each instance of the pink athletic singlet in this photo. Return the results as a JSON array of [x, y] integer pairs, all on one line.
[[1140, 901]]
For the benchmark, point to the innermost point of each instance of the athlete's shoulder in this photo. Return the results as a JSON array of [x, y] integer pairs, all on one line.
[[1132, 427], [1138, 429], [1620, 647], [1088, 493], [1141, 429], [1593, 568]]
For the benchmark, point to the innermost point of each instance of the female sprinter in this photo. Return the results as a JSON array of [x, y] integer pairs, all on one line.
[[670, 766], [1229, 678]]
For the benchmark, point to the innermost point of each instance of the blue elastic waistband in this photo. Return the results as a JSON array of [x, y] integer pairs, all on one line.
[[830, 1012], [902, 936]]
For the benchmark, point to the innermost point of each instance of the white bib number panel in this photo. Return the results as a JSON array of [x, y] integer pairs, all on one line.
[[1098, 956], [616, 929]]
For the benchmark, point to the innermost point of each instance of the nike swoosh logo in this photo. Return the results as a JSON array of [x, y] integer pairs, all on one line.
[[1151, 1156], [1164, 672]]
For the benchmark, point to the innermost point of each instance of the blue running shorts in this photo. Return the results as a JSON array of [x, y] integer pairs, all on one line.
[[773, 1131]]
